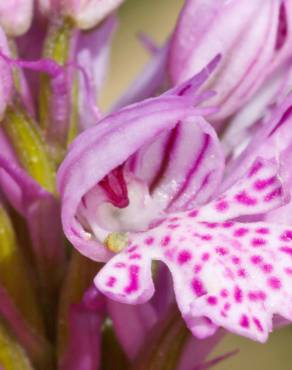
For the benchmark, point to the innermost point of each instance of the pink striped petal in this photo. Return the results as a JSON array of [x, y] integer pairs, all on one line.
[[251, 49], [99, 148]]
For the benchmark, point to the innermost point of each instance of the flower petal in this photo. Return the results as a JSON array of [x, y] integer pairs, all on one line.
[[183, 168], [236, 275], [259, 191]]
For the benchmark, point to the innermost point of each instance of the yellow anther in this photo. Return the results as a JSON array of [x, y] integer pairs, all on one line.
[[116, 242]]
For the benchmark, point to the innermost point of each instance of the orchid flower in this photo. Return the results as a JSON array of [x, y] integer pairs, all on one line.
[[252, 46], [149, 202]]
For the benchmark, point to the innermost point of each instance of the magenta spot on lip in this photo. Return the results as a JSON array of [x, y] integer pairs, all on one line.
[[263, 230], [235, 260], [288, 270], [111, 281], [256, 259], [274, 283], [224, 293], [256, 295], [287, 250], [258, 324], [135, 256], [133, 275], [222, 206], [273, 194], [165, 241], [245, 199], [197, 268], [240, 232], [267, 268], [132, 249], [120, 265], [221, 251], [244, 321], [262, 184], [212, 301], [255, 168], [206, 237], [75, 232], [149, 240], [210, 225], [205, 256], [226, 306], [183, 257], [258, 242], [198, 287], [227, 224], [173, 226], [193, 213], [286, 236], [241, 273], [238, 296]]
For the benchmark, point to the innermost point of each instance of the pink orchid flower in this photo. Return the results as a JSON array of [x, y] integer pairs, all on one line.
[[156, 197], [253, 37]]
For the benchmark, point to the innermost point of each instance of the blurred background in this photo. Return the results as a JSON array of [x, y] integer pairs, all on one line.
[[156, 18]]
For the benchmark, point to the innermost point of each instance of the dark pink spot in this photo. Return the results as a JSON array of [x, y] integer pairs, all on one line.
[[183, 257], [221, 251], [258, 324], [133, 276], [197, 268], [193, 213], [255, 168], [286, 236], [287, 250], [238, 296], [165, 241], [262, 230], [273, 194], [206, 237], [274, 283], [245, 199], [173, 226], [198, 287], [227, 224], [224, 293], [240, 232], [267, 268], [173, 219], [244, 321], [120, 265], [226, 306], [212, 301], [221, 206], [262, 184], [111, 281], [205, 256], [288, 270], [135, 256], [241, 273], [210, 225], [256, 295], [235, 260], [132, 249], [256, 259], [258, 242], [149, 240]]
